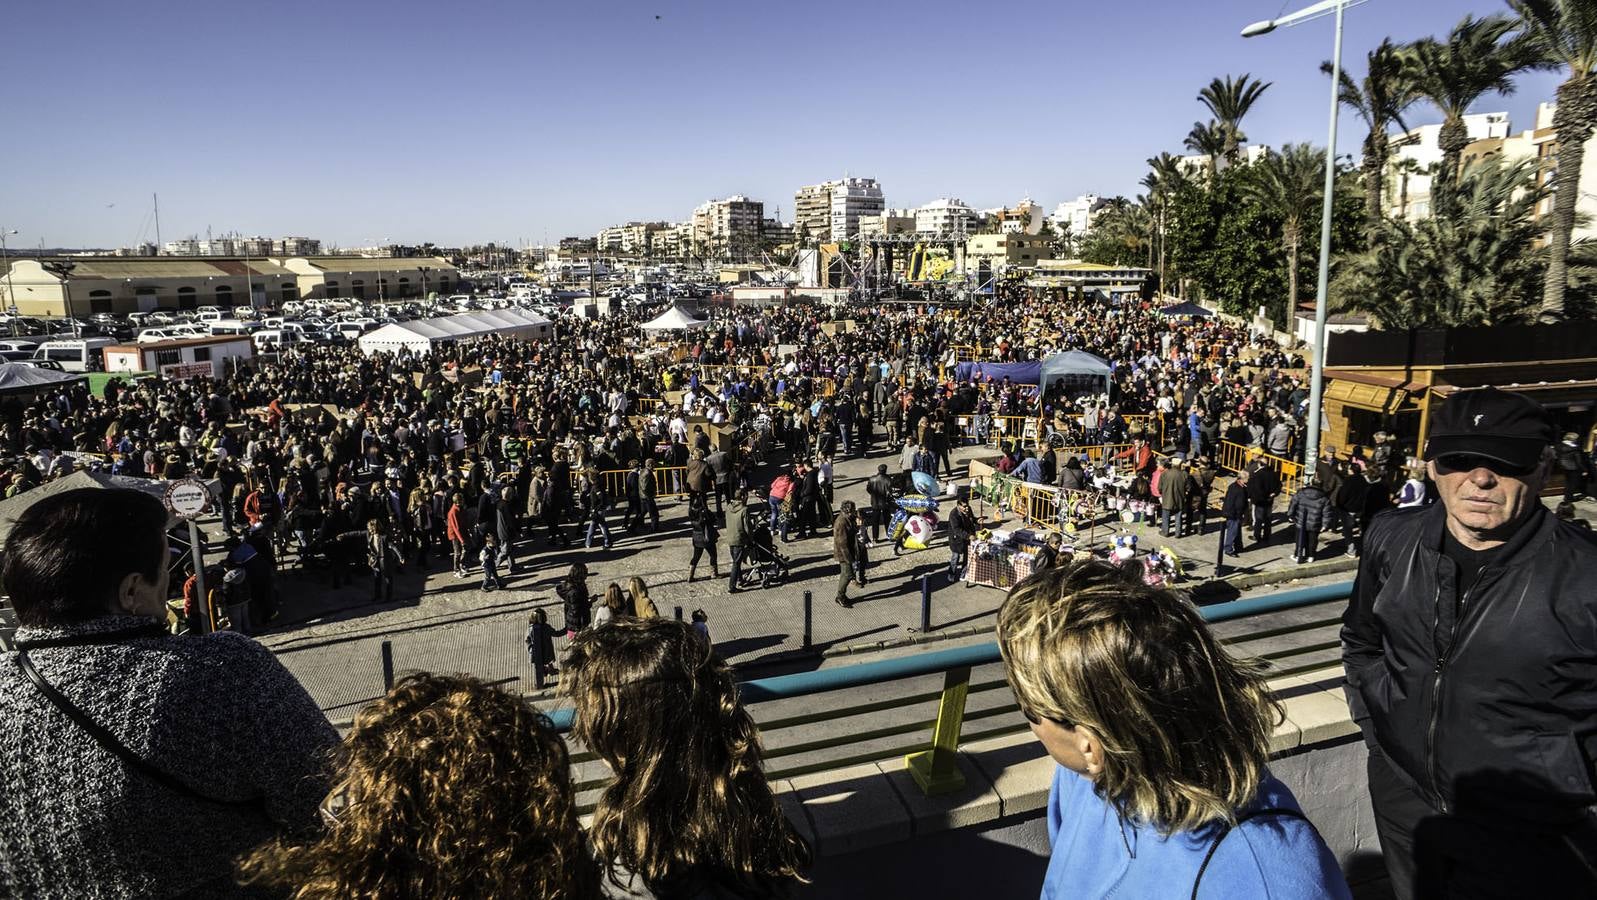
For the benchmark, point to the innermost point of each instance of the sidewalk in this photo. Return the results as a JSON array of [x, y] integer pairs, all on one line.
[[332, 640]]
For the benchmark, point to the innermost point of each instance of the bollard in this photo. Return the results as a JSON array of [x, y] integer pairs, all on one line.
[[1219, 558], [679, 613], [388, 666], [936, 770], [808, 599], [537, 656], [925, 603]]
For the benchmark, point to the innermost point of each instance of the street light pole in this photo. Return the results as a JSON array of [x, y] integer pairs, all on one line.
[[1316, 416], [11, 291]]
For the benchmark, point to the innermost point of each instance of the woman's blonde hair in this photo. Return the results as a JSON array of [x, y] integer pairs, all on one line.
[[642, 604], [448, 788], [689, 806], [1185, 728]]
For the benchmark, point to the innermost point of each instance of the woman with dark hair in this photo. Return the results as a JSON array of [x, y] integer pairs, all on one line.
[[1162, 741], [689, 814], [136, 763], [446, 787], [575, 602], [705, 537]]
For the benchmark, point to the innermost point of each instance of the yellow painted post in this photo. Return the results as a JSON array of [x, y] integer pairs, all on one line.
[[937, 770]]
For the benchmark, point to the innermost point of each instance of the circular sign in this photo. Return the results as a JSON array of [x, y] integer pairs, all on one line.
[[187, 498]]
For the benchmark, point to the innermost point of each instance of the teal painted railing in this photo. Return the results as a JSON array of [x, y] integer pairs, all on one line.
[[934, 768]]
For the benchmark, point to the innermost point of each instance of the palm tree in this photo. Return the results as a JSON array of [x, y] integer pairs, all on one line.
[[1566, 30], [1165, 175], [1229, 102], [1288, 185], [1386, 92], [1479, 57], [1475, 267], [1207, 140]]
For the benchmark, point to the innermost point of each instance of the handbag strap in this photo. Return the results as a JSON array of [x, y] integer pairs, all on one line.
[[107, 740], [1267, 811]]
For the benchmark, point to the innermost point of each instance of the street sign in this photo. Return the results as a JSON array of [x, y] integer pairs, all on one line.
[[187, 498]]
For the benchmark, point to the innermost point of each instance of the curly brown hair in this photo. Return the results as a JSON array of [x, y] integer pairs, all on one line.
[[689, 808], [445, 788]]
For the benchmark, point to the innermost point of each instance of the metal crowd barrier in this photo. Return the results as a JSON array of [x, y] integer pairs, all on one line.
[[935, 768], [1236, 457]]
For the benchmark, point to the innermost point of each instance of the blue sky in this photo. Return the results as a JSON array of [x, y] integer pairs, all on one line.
[[475, 121]]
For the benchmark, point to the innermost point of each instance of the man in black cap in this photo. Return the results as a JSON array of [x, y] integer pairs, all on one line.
[[1470, 646]]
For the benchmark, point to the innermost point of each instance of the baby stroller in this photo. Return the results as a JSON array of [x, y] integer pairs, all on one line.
[[763, 565]]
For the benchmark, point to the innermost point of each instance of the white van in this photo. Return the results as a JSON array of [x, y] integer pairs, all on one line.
[[271, 340], [82, 355], [208, 314]]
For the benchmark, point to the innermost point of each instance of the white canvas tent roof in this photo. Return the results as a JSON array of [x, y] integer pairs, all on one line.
[[673, 319], [420, 335], [1075, 362]]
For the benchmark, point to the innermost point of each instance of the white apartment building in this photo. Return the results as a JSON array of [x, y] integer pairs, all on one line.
[[1199, 163], [1076, 215], [945, 215], [830, 211], [852, 198], [1408, 180]]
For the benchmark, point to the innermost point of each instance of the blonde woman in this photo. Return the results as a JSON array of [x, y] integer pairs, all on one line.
[[642, 605], [689, 813], [446, 787], [1162, 741]]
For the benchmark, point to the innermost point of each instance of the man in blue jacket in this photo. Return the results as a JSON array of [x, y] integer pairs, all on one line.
[[1470, 646]]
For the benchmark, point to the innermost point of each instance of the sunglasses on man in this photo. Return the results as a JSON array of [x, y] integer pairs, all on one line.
[[1451, 463]]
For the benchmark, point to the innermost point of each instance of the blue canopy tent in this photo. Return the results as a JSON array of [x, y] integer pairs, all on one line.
[[1077, 368], [1018, 372], [1186, 310]]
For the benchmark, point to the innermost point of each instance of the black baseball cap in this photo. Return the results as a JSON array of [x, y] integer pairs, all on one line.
[[1499, 425]]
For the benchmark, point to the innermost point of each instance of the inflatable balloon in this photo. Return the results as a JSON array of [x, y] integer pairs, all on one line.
[[918, 531], [926, 484]]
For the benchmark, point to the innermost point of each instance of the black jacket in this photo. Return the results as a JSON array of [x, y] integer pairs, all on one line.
[[1489, 705], [1263, 485], [961, 528], [880, 489], [1235, 504]]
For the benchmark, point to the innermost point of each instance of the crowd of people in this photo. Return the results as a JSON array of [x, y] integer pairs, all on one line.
[[466, 457], [142, 763]]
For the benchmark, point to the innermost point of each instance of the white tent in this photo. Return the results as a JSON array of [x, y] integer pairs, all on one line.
[[1076, 367], [421, 335], [673, 319]]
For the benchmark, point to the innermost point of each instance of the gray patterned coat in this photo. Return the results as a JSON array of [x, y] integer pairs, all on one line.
[[219, 713]]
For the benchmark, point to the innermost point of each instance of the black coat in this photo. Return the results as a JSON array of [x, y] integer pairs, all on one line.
[[1263, 485], [1485, 704], [1235, 505], [961, 528]]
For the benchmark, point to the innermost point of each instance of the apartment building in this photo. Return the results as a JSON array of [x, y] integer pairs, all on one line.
[[729, 227], [1415, 153], [830, 211], [945, 215]]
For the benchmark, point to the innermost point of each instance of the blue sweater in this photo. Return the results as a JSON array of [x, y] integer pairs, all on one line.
[[1272, 856]]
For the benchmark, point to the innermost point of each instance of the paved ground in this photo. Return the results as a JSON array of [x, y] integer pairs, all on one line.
[[332, 640]]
